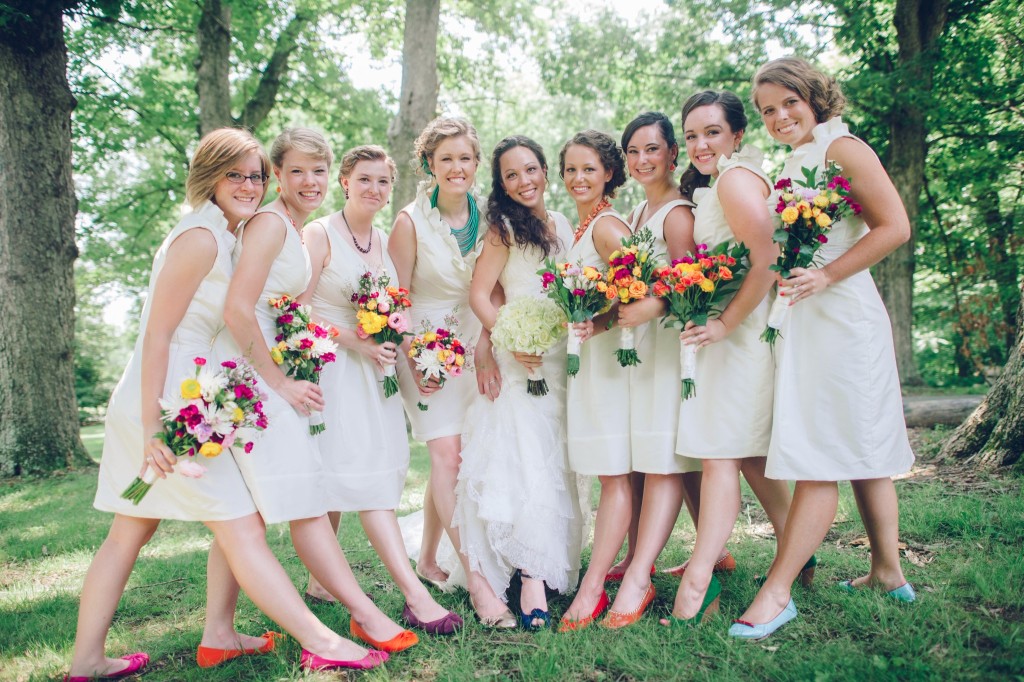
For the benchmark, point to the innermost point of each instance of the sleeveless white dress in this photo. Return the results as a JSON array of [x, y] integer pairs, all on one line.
[[598, 396], [517, 504], [284, 472], [731, 415], [365, 449], [440, 285], [220, 495], [654, 383], [840, 411]]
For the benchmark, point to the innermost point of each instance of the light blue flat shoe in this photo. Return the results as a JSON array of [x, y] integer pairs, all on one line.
[[904, 593], [745, 630]]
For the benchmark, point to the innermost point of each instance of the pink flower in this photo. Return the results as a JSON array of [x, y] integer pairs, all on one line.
[[229, 364], [547, 278], [248, 447], [361, 334], [822, 239], [191, 469], [285, 319], [578, 292], [383, 307], [398, 322], [200, 361]]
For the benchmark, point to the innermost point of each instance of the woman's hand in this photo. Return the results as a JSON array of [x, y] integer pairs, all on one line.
[[305, 396], [639, 313], [488, 376], [424, 385], [530, 362], [712, 332], [804, 283], [158, 457], [381, 354], [584, 330]]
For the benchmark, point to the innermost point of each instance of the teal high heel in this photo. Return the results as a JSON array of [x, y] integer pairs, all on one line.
[[708, 607], [806, 576]]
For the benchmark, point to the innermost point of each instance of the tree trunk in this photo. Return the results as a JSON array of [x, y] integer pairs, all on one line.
[[417, 104], [39, 423], [994, 434], [918, 25], [213, 37]]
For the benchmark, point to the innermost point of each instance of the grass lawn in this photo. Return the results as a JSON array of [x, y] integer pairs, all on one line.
[[964, 534]]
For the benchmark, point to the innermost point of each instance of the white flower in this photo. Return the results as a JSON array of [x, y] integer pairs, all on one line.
[[211, 382], [322, 346]]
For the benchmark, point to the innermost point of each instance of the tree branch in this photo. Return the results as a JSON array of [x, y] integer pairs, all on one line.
[[262, 101]]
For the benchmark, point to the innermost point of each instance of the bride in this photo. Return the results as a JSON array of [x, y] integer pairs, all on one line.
[[517, 505]]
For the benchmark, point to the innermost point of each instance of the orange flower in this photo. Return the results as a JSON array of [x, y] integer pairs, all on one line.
[[637, 289], [725, 273], [660, 288]]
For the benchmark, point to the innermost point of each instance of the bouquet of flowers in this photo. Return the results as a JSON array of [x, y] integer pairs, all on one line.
[[303, 347], [692, 287], [379, 314], [438, 354], [529, 325], [630, 273], [806, 215], [213, 410], [581, 292]]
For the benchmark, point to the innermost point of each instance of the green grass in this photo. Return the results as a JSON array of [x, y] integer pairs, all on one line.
[[964, 533]]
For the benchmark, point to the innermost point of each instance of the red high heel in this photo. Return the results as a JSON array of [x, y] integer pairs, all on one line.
[[617, 576]]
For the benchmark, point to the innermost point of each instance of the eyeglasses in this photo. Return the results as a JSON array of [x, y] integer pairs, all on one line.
[[239, 179]]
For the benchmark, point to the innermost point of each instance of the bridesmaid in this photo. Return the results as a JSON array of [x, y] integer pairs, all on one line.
[[284, 471], [659, 476], [592, 168], [517, 504], [837, 341], [365, 448], [182, 313], [434, 245], [729, 426]]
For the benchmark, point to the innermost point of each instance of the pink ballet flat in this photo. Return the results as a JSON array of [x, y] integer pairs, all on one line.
[[136, 662], [311, 661]]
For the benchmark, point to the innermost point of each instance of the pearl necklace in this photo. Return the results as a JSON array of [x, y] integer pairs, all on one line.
[[369, 244], [602, 205]]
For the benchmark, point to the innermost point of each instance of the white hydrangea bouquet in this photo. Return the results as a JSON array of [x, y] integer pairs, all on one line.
[[529, 325]]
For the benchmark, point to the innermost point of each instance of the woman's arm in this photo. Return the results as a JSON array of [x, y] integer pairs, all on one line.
[[318, 246], [190, 257], [488, 268], [678, 230], [402, 248], [883, 213]]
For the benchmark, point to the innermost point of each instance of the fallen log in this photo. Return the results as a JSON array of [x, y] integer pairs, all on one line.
[[923, 410]]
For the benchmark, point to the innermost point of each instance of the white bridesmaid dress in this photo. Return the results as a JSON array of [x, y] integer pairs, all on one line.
[[730, 417], [365, 450], [221, 494], [840, 411]]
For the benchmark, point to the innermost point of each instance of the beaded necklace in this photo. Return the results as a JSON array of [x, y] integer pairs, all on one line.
[[465, 235], [369, 244], [602, 205]]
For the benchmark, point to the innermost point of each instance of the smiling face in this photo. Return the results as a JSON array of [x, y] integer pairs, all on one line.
[[648, 156], [454, 165], [584, 175], [523, 177], [368, 185], [303, 180], [240, 201], [787, 116], [709, 137]]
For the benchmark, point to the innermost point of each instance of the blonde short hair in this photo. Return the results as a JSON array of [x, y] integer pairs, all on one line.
[[303, 140], [815, 87], [436, 132], [218, 152], [366, 152]]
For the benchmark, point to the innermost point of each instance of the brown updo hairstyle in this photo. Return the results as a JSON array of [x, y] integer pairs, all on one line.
[[735, 116], [436, 132], [366, 152], [218, 152], [303, 140], [815, 87], [608, 152]]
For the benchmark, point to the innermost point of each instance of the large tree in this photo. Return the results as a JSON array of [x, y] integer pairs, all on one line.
[[39, 427]]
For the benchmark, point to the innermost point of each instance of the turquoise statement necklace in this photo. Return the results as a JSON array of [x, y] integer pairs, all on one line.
[[465, 235]]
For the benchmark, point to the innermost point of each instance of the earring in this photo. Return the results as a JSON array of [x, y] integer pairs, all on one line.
[[673, 166], [278, 189], [346, 192]]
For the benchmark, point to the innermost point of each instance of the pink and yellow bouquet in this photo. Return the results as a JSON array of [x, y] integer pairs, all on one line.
[[213, 410], [380, 315], [692, 287], [806, 216], [630, 274], [581, 292], [303, 347], [438, 354]]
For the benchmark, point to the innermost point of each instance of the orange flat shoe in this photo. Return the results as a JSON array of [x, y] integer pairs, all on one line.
[[615, 620], [400, 642], [566, 625], [208, 657], [726, 564]]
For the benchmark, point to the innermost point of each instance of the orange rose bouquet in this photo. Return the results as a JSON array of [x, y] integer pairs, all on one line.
[[630, 274]]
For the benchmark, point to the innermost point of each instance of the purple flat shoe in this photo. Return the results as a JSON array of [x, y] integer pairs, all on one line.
[[446, 625]]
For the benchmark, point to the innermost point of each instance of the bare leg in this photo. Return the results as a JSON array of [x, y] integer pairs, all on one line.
[[258, 571], [773, 495], [879, 509], [382, 529], [104, 584], [636, 481], [318, 548], [221, 600], [314, 588], [432, 530], [663, 498], [613, 517], [691, 494], [810, 516], [533, 597], [720, 499]]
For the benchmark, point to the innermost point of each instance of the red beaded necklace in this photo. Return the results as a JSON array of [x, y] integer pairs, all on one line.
[[602, 205]]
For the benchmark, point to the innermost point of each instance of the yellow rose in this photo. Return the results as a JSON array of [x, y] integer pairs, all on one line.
[[602, 287], [615, 254], [460, 360], [210, 449], [806, 214], [821, 201], [790, 214], [788, 197], [237, 415], [190, 389], [823, 220], [815, 211], [707, 285], [591, 273], [833, 198], [275, 355], [429, 337], [636, 271]]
